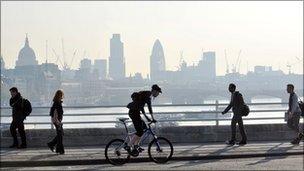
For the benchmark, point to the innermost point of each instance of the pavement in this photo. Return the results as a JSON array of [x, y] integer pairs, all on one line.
[[32, 157]]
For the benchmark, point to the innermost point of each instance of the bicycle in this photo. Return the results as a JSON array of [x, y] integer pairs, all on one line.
[[116, 153]]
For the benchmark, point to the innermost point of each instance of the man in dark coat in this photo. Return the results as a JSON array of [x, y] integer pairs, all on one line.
[[237, 104], [16, 102]]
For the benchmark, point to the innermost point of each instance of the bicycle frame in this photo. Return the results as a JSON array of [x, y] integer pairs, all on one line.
[[147, 132]]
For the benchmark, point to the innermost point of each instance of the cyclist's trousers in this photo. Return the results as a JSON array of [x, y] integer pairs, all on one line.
[[138, 123]]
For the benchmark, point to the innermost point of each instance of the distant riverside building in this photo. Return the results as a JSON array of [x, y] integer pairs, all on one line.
[[26, 55], [265, 71], [84, 72], [262, 69], [208, 65], [204, 71], [2, 63], [157, 62], [101, 66], [116, 60], [86, 64]]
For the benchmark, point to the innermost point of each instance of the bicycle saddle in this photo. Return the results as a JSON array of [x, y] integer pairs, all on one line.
[[123, 119]]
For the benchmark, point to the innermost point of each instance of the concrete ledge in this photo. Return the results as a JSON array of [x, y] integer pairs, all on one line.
[[183, 134]]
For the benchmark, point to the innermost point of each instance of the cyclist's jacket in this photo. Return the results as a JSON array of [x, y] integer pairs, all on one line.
[[140, 99]]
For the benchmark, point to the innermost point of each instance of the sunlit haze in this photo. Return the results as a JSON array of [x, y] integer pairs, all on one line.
[[268, 33]]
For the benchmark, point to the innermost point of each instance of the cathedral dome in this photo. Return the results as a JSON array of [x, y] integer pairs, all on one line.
[[26, 55]]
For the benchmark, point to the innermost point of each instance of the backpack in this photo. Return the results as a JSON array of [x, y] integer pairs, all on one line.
[[135, 96], [26, 106], [245, 109], [301, 105]]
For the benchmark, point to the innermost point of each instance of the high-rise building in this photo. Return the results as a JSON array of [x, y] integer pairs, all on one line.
[[157, 61], [26, 55], [101, 66], [116, 60], [209, 65]]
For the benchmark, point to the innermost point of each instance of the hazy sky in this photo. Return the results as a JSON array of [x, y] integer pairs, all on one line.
[[268, 33]]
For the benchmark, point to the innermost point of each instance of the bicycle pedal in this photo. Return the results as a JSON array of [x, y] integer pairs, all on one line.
[[140, 149], [134, 153]]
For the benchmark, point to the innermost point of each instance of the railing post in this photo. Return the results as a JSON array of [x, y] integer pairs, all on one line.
[[217, 112], [52, 126]]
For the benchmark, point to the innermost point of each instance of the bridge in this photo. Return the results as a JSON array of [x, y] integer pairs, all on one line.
[[201, 139], [192, 96]]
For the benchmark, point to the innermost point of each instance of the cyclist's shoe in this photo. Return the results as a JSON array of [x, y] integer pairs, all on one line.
[[296, 141], [139, 149], [243, 142], [301, 136], [128, 149], [230, 142]]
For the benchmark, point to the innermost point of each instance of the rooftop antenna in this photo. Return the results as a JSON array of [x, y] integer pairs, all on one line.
[[46, 51], [247, 66], [227, 65], [84, 53], [289, 68], [63, 55], [181, 60]]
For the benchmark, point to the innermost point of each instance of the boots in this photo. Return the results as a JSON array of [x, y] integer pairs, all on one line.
[[14, 145]]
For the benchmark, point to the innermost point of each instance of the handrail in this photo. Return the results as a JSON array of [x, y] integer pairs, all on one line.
[[155, 113], [157, 105], [216, 117]]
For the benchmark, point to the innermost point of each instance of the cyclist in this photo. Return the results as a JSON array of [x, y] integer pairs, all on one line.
[[139, 100]]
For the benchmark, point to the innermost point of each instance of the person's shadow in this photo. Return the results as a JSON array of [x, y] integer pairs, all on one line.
[[215, 153], [42, 156], [271, 157]]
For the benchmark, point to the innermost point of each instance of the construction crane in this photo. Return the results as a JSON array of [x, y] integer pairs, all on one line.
[[236, 66], [75, 51], [289, 66], [58, 58], [64, 64]]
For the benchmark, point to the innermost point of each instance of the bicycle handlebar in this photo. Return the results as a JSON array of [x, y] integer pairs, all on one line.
[[151, 122]]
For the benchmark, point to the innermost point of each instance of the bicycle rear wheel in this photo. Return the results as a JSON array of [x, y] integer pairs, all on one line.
[[160, 150], [115, 152]]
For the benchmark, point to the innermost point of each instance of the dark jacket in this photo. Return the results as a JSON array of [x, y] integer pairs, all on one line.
[[16, 104], [236, 103], [58, 106], [142, 98]]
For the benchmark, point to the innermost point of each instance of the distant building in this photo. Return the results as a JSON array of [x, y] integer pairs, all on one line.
[[265, 71], [36, 82], [262, 69], [208, 65], [100, 65], [116, 60], [84, 72], [2, 63], [86, 64], [26, 55], [157, 62]]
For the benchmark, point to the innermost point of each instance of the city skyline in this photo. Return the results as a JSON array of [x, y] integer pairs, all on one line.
[[138, 48]]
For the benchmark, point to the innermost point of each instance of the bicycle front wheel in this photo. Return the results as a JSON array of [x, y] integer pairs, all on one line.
[[160, 150], [115, 152]]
